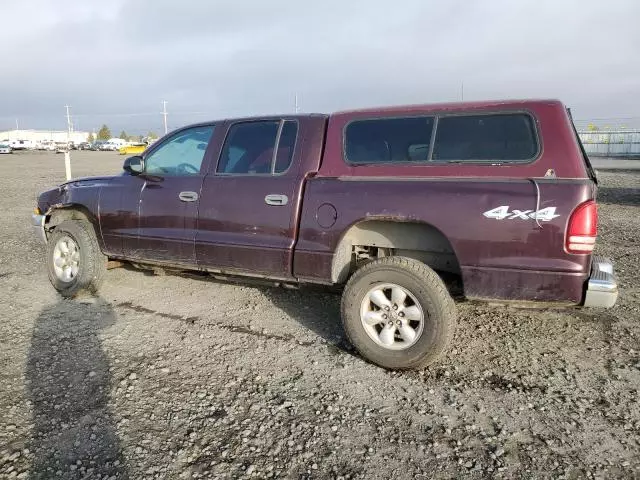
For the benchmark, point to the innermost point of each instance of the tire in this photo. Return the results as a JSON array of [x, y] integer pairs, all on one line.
[[424, 290], [91, 264]]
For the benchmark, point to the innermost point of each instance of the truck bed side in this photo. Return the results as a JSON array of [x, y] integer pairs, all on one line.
[[512, 258]]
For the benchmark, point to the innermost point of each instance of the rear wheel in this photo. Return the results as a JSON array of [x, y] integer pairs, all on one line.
[[398, 313], [74, 260]]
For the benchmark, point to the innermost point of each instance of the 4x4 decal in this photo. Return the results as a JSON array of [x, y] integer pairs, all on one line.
[[502, 212]]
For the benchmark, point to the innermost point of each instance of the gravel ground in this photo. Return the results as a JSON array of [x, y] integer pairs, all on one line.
[[176, 377]]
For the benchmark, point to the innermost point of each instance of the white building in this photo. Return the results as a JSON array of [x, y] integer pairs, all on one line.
[[37, 136]]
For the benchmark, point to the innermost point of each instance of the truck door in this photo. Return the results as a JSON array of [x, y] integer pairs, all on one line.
[[251, 199], [170, 195]]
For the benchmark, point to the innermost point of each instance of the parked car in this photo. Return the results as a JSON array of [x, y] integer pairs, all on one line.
[[101, 145], [84, 146], [5, 148], [62, 147], [114, 144], [45, 145], [109, 147], [132, 149], [21, 144], [379, 202]]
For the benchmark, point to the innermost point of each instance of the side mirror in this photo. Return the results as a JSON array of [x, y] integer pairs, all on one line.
[[134, 165]]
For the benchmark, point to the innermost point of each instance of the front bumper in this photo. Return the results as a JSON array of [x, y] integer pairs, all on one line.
[[37, 222], [602, 287]]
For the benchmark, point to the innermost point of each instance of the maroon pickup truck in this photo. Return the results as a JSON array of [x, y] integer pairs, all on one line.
[[379, 201]]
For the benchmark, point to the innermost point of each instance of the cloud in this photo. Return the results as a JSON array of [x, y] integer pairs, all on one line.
[[224, 58]]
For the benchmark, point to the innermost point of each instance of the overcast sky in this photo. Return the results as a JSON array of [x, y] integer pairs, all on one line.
[[112, 58]]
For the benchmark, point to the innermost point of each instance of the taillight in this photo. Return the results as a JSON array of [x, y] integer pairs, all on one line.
[[583, 228]]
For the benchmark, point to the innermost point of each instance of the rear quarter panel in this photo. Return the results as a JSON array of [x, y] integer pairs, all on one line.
[[502, 259]]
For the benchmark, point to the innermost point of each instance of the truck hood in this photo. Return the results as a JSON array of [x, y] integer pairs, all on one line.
[[87, 181]]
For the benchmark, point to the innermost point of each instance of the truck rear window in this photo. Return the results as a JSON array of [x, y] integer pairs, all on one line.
[[387, 140], [503, 138]]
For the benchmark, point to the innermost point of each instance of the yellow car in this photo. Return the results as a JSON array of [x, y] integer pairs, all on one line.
[[133, 149]]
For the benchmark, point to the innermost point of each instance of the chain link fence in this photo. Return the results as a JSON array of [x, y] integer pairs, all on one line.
[[611, 143]]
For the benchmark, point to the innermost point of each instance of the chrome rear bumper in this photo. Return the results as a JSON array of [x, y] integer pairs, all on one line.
[[602, 287], [37, 222]]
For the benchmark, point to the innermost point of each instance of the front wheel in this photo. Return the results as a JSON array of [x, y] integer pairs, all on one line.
[[398, 313], [74, 260]]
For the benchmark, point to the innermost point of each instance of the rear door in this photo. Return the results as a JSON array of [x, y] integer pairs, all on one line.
[[169, 198], [251, 199]]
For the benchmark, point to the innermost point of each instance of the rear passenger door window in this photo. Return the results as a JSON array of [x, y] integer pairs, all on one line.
[[502, 137], [286, 144], [255, 148]]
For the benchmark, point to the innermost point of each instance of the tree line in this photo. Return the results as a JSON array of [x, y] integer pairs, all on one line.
[[105, 134]]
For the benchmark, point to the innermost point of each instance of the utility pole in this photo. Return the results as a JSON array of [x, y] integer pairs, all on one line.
[[69, 124], [296, 103], [17, 128], [164, 115], [462, 92], [67, 156]]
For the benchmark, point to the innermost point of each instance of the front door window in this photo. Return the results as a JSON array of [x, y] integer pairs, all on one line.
[[180, 155]]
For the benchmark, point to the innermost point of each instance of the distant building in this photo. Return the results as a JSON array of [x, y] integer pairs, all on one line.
[[37, 136]]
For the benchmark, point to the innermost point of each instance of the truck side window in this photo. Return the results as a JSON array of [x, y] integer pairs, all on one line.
[[285, 146], [180, 154], [503, 137], [249, 148], [388, 140]]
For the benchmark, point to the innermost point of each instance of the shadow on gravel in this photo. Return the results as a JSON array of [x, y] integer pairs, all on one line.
[[314, 308], [68, 383], [619, 196]]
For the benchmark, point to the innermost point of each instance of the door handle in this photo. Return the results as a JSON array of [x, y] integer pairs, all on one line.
[[188, 196], [274, 199]]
